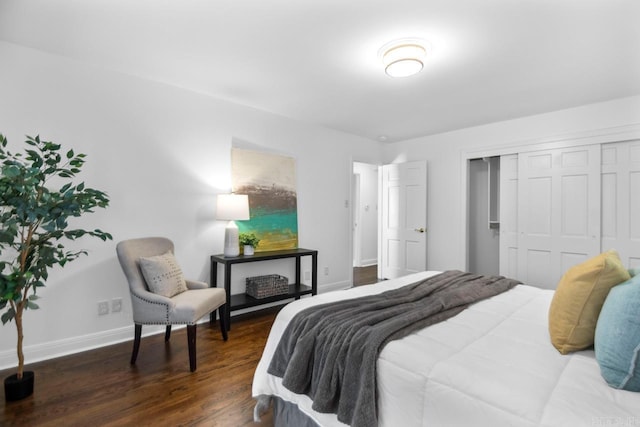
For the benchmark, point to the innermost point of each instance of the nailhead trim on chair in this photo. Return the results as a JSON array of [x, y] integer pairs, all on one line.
[[159, 323], [157, 303]]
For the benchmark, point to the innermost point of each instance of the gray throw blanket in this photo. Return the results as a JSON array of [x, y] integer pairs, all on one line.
[[329, 351]]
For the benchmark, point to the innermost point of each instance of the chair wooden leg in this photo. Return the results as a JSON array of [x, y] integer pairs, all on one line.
[[191, 339], [167, 333], [136, 343], [223, 321]]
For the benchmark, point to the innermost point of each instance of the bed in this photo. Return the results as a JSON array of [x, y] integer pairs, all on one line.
[[490, 365]]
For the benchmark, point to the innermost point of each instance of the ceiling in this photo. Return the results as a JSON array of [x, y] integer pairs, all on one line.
[[317, 60]]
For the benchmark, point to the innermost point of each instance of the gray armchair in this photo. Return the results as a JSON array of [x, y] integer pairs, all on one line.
[[149, 308]]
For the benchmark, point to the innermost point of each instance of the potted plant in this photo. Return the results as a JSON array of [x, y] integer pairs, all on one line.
[[249, 242], [34, 224]]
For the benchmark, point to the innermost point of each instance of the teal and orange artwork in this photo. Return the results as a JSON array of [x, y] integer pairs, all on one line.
[[269, 181]]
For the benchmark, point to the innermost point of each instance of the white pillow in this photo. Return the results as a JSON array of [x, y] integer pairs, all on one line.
[[163, 275]]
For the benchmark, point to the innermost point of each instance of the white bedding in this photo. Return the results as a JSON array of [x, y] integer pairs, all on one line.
[[491, 365]]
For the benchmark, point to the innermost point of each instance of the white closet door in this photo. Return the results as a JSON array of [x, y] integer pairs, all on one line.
[[558, 212], [509, 215], [621, 200]]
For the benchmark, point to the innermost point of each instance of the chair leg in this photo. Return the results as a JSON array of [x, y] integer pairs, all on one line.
[[191, 340], [136, 343], [167, 333], [223, 321]]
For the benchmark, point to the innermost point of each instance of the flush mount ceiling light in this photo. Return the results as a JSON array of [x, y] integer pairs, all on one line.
[[403, 58]]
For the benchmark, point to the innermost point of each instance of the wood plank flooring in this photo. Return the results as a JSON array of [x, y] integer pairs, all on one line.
[[101, 388], [365, 275]]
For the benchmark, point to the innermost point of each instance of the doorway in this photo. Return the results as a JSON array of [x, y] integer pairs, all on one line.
[[388, 217], [484, 225], [365, 222]]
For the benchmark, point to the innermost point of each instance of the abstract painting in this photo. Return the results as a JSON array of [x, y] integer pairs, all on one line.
[[270, 182]]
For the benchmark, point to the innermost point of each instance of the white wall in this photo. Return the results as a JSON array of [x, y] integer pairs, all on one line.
[[445, 154], [162, 154], [368, 209]]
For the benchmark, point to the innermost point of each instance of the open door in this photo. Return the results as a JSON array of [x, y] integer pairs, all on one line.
[[403, 219]]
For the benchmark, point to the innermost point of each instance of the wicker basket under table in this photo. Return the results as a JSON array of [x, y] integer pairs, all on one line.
[[267, 286]]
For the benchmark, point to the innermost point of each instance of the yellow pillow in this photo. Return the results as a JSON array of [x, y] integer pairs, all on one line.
[[578, 299]]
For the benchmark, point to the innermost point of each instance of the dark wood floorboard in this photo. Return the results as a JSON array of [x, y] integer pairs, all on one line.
[[100, 387], [365, 275]]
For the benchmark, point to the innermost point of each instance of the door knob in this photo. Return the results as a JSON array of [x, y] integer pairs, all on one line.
[[420, 230]]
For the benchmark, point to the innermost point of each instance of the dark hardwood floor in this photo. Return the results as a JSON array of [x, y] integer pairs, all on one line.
[[100, 387], [365, 275]]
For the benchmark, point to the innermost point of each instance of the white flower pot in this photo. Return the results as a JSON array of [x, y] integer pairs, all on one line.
[[248, 250]]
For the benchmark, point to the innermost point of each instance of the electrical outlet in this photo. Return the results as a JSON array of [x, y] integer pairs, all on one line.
[[103, 308], [116, 305], [326, 271]]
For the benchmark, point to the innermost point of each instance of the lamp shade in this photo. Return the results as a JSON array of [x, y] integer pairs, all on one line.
[[232, 207]]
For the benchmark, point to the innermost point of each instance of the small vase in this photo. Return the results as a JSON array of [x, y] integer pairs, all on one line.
[[248, 250], [16, 389]]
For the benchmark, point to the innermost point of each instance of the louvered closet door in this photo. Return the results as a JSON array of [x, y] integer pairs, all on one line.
[[558, 212], [621, 200]]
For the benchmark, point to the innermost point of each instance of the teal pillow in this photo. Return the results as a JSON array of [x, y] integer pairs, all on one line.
[[617, 338], [634, 271]]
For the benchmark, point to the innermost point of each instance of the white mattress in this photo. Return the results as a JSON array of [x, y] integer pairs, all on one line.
[[491, 365]]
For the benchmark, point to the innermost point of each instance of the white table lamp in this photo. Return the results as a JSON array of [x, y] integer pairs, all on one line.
[[232, 207]]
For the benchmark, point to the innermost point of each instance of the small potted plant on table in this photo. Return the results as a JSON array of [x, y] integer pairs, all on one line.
[[33, 226], [249, 242]]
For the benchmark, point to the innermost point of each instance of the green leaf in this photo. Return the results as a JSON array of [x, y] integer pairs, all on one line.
[[8, 316], [11, 171], [28, 207]]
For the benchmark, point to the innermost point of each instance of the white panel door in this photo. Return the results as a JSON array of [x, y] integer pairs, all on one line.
[[404, 219], [621, 200], [509, 215], [558, 212]]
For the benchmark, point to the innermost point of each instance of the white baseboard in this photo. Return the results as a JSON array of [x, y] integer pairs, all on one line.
[[337, 286], [67, 346]]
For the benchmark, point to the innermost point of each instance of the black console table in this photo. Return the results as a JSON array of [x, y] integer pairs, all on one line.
[[239, 301]]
